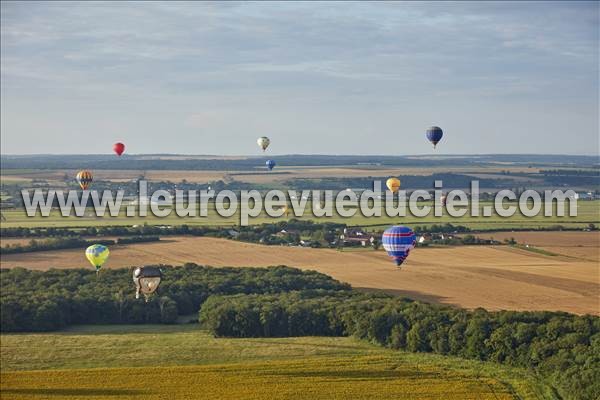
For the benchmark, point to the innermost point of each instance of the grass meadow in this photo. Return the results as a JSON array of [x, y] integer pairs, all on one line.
[[183, 362]]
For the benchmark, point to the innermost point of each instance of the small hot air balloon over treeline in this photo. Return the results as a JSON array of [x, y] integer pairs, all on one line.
[[97, 254]]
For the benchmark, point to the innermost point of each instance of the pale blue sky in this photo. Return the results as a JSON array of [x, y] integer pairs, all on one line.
[[332, 78]]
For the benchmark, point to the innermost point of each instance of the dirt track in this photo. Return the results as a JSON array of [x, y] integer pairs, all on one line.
[[471, 276]]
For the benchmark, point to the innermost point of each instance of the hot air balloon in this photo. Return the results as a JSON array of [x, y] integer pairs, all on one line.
[[97, 254], [434, 135], [119, 148], [398, 241], [270, 164], [263, 142], [146, 280], [84, 178], [393, 184]]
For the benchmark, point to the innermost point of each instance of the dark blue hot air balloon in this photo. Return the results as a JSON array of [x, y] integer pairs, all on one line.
[[434, 135], [398, 241], [270, 164]]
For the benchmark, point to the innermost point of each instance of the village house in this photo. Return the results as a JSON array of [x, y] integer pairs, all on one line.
[[354, 236]]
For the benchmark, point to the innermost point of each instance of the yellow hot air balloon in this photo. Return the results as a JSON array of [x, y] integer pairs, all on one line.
[[97, 255], [393, 184], [84, 178]]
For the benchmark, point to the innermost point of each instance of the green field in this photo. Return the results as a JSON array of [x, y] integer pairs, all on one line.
[[184, 362], [587, 212]]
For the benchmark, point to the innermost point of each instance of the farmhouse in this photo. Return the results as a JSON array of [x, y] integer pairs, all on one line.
[[357, 236]]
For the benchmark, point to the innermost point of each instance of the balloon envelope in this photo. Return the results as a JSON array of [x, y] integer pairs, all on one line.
[[119, 148], [263, 142], [398, 241], [97, 254], [393, 184], [270, 164], [84, 178], [146, 280], [434, 135]]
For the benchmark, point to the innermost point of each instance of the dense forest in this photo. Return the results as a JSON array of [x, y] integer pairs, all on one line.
[[281, 301], [44, 301], [563, 348]]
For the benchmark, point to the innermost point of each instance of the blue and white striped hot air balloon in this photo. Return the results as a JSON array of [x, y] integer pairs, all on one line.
[[398, 241], [270, 164]]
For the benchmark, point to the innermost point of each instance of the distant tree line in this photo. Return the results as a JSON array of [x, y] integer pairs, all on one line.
[[128, 162], [155, 230], [441, 228], [409, 182], [467, 240], [51, 244], [572, 172], [563, 348], [132, 162], [58, 243], [267, 233]]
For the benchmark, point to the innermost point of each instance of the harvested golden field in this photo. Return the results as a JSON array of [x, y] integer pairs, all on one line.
[[549, 239], [493, 277], [13, 241], [583, 245]]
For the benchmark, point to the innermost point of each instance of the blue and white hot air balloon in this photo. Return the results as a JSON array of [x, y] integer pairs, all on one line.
[[398, 241], [434, 134], [270, 164]]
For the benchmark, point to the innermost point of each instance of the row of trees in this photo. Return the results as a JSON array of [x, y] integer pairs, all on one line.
[[572, 172], [267, 233], [243, 165], [156, 230], [57, 243], [564, 348], [441, 228], [50, 300], [409, 182]]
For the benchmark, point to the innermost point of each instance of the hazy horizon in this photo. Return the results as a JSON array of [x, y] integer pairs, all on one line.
[[317, 78], [267, 155]]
